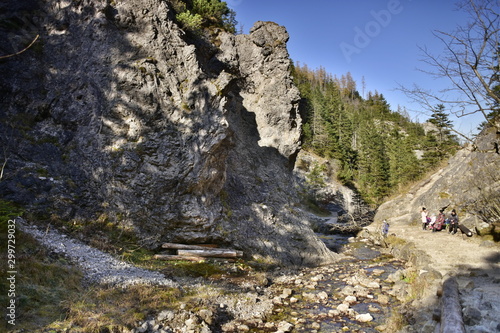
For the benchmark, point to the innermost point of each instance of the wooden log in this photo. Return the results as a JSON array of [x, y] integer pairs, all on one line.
[[177, 257], [218, 253], [172, 257], [176, 246], [451, 319]]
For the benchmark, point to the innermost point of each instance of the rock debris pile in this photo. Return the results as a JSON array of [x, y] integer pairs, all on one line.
[[98, 267]]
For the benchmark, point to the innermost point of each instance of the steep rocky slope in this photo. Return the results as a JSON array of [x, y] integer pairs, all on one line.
[[469, 183], [116, 113]]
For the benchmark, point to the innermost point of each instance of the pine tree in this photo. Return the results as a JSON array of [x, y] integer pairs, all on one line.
[[403, 163], [440, 119], [375, 147], [446, 143]]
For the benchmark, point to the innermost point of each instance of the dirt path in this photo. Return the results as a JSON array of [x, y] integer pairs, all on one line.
[[475, 264], [449, 253]]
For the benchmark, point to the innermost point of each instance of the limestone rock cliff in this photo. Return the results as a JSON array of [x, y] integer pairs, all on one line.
[[115, 111]]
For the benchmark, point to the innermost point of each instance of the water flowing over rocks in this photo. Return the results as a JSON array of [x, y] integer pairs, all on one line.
[[355, 292], [325, 299]]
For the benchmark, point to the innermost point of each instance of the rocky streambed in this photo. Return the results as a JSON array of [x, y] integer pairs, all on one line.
[[356, 294]]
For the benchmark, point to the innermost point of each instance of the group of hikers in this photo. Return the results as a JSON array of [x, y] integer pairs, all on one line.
[[436, 223], [441, 222]]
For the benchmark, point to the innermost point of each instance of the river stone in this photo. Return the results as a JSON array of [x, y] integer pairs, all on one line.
[[206, 315], [285, 327], [472, 316], [243, 328], [287, 292], [350, 299], [322, 295], [396, 276], [166, 315], [364, 318], [383, 299], [343, 307], [309, 296], [373, 285], [316, 326]]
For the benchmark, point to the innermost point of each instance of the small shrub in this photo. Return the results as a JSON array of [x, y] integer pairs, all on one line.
[[315, 178], [190, 21], [200, 14], [395, 241]]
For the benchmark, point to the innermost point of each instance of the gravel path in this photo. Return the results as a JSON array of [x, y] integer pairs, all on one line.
[[475, 264], [98, 267], [449, 253]]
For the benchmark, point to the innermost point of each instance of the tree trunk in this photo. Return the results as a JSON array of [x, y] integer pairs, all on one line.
[[176, 257], [220, 253], [176, 246], [451, 320]]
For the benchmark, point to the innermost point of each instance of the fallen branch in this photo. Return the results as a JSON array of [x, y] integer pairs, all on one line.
[[23, 50], [176, 246], [176, 257]]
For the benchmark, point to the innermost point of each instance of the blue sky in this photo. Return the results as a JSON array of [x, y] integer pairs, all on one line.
[[329, 33]]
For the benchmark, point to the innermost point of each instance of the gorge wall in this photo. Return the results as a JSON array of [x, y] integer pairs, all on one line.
[[114, 111]]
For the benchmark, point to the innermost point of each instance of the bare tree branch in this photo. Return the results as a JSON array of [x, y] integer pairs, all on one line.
[[3, 167], [23, 50], [470, 63]]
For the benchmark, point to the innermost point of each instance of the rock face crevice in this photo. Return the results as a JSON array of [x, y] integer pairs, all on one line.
[[113, 111]]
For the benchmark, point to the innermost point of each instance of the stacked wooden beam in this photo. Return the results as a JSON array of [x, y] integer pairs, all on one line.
[[196, 252]]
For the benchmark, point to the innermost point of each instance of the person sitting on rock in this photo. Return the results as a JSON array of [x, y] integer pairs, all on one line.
[[439, 221], [453, 222], [432, 222]]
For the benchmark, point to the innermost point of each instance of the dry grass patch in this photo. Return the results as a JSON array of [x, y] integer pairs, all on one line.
[[100, 308], [44, 282], [394, 241]]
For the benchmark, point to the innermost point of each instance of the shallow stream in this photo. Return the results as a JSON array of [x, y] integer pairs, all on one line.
[[363, 274]]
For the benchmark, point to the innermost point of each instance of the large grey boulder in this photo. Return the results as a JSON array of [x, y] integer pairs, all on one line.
[[116, 112]]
